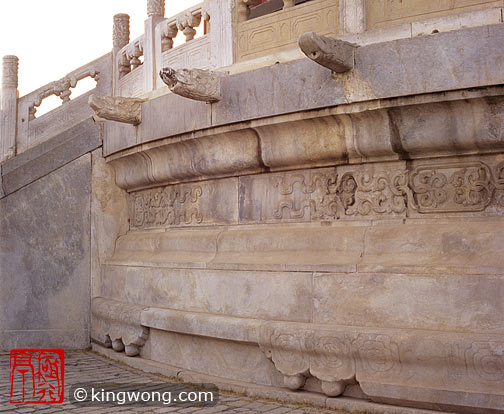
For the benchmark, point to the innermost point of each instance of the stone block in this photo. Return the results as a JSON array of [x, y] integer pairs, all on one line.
[[226, 359], [253, 294], [170, 115], [172, 248], [442, 302], [50, 155], [203, 203], [490, 15], [305, 248], [44, 259], [211, 156], [109, 216], [382, 13], [267, 91], [475, 245], [301, 143], [118, 136], [430, 63]]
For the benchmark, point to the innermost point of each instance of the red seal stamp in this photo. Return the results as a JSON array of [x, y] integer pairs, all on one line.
[[37, 376]]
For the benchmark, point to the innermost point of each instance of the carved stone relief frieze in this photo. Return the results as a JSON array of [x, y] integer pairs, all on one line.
[[452, 187], [366, 190], [327, 194], [171, 205], [338, 356]]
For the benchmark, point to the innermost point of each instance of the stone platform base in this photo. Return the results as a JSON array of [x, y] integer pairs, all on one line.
[[345, 404]]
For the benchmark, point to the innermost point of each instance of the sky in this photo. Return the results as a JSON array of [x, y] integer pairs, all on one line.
[[54, 37]]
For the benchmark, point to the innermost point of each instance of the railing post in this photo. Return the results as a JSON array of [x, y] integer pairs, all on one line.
[[222, 28], [8, 107], [352, 16], [155, 14], [120, 38]]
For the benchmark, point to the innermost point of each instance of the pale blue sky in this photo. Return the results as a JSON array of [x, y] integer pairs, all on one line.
[[53, 37]]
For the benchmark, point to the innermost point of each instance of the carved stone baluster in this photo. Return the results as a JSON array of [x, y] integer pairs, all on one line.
[[124, 65], [65, 95], [169, 33], [32, 110], [186, 24], [243, 10], [134, 55], [155, 8], [205, 15]]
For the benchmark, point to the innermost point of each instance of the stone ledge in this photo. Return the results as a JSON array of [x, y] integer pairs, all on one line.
[[401, 130], [352, 405], [50, 155], [344, 247]]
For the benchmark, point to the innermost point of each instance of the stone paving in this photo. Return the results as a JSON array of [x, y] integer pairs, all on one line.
[[84, 366]]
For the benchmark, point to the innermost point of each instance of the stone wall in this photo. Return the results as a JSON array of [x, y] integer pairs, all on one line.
[[45, 235], [328, 232]]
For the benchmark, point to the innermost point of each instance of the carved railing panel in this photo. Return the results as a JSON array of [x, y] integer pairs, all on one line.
[[384, 13], [280, 30], [33, 129]]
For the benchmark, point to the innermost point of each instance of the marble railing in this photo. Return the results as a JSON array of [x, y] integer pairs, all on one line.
[[194, 53], [27, 129], [130, 68]]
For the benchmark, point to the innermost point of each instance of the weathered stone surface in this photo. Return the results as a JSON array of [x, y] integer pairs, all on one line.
[[109, 216], [380, 13], [267, 91], [218, 155], [172, 248], [410, 301], [475, 244], [294, 248], [171, 114], [237, 361], [50, 155], [265, 295], [44, 260]]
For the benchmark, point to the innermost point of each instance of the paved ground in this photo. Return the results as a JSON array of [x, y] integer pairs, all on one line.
[[85, 367]]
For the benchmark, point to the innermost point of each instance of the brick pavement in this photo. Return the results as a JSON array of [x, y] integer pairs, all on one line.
[[83, 366]]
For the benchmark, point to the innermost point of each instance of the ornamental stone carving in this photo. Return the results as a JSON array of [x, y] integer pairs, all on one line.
[[450, 187], [155, 8], [117, 108], [334, 54], [197, 84], [10, 72], [121, 31], [117, 324], [171, 205], [380, 192]]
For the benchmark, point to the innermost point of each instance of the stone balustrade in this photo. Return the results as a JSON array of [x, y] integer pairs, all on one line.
[[23, 129]]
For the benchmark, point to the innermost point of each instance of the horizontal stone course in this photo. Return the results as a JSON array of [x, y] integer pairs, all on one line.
[[50, 155]]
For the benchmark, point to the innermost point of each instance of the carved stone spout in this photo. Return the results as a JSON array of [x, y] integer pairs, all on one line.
[[334, 54], [197, 84], [117, 108]]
